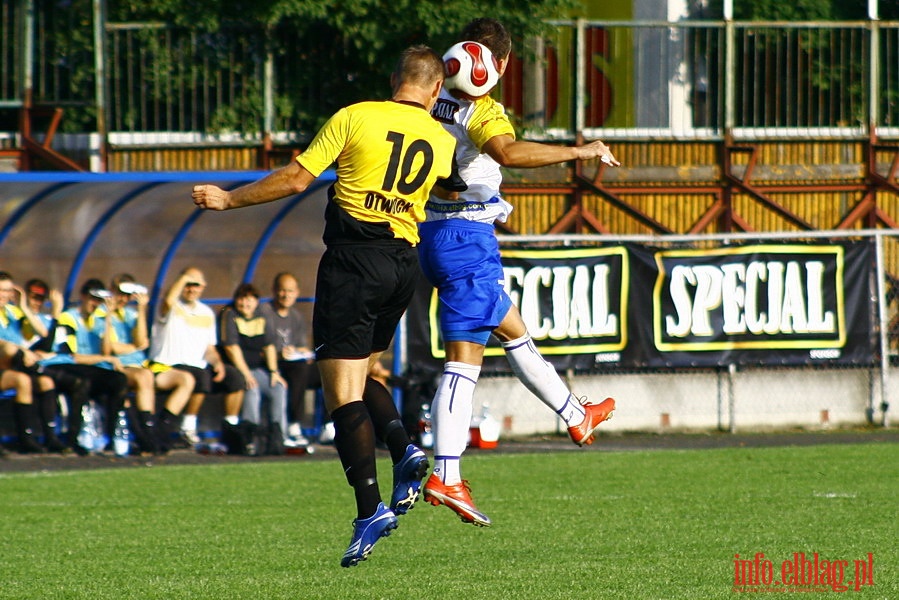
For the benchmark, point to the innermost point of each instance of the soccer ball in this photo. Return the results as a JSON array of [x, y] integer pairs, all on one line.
[[471, 69]]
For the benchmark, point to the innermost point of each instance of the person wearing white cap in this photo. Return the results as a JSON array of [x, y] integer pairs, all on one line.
[[84, 329]]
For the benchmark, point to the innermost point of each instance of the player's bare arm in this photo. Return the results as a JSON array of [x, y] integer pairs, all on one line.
[[57, 303], [174, 291], [35, 322], [512, 153], [286, 181]]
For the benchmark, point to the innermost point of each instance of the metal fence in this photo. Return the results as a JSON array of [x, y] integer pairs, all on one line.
[[633, 79], [656, 80], [701, 80]]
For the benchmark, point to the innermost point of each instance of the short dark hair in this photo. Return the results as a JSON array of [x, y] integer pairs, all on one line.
[[419, 65], [489, 32], [246, 289], [92, 285]]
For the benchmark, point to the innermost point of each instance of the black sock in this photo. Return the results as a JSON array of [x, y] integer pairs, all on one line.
[[47, 408], [354, 439], [25, 416], [167, 416], [167, 421], [386, 419], [77, 394], [146, 419]]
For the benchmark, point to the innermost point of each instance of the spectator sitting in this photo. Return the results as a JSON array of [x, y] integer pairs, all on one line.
[[12, 360], [18, 324], [88, 340], [295, 357], [184, 337], [248, 343], [128, 339], [76, 388]]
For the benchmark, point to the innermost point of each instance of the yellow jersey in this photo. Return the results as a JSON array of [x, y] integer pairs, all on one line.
[[389, 155]]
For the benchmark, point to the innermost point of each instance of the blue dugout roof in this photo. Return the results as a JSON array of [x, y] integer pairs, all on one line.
[[68, 227]]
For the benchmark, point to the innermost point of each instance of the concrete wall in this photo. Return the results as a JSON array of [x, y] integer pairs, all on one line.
[[693, 401], [700, 400]]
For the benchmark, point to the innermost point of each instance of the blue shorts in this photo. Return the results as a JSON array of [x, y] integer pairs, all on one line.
[[461, 259]]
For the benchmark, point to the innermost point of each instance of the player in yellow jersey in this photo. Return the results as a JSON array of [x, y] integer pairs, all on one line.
[[389, 156], [460, 256]]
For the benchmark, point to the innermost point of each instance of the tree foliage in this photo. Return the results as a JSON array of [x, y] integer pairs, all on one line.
[[336, 52], [373, 31]]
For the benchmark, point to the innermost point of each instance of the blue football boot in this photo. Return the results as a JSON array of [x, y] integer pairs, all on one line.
[[407, 476], [366, 532]]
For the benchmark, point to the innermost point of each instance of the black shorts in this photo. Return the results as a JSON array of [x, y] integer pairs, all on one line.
[[232, 382], [361, 293]]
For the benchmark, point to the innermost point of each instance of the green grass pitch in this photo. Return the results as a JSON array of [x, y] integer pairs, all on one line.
[[660, 524]]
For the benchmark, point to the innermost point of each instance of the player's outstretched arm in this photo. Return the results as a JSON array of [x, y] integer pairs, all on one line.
[[598, 150], [512, 153], [286, 181]]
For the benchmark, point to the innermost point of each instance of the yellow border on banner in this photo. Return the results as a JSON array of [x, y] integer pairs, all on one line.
[[837, 251], [437, 350]]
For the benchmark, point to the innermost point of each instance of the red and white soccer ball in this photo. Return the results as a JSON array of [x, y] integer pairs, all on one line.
[[471, 69]]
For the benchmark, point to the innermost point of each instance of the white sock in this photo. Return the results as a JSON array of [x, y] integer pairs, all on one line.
[[189, 422], [448, 469], [232, 419], [451, 418], [572, 412], [541, 378]]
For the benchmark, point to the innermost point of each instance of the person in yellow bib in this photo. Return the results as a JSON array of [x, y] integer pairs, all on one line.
[[389, 155], [36, 395]]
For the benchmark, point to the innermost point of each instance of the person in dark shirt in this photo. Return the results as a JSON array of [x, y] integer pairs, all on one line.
[[248, 342], [295, 357]]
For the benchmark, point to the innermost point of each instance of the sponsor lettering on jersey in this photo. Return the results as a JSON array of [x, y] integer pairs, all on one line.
[[445, 110], [394, 206], [492, 119], [454, 207]]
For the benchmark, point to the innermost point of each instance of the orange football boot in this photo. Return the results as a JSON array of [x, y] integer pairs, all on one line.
[[456, 497], [582, 434]]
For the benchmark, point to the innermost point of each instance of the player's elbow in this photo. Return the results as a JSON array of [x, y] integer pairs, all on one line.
[[297, 177], [298, 187], [504, 150], [506, 161], [504, 158]]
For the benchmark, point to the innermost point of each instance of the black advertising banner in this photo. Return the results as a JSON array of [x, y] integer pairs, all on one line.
[[783, 304], [571, 299], [631, 306]]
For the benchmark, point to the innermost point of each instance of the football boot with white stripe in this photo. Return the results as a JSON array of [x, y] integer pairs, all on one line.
[[456, 497], [582, 433], [407, 476], [366, 532]]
